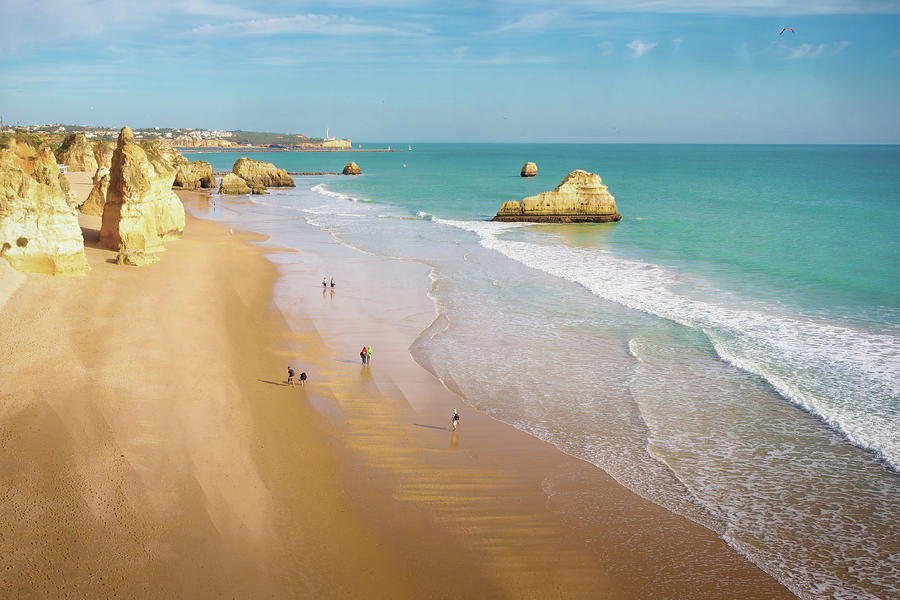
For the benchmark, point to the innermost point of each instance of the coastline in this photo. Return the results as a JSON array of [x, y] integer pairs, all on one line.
[[518, 500], [164, 456]]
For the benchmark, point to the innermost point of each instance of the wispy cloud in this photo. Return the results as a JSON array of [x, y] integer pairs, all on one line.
[[640, 48], [813, 50], [895, 53], [311, 24], [606, 48], [677, 43], [730, 7]]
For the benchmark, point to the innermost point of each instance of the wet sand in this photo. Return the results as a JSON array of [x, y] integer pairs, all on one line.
[[151, 448]]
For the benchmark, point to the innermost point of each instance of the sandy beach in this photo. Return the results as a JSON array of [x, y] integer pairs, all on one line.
[[151, 447]]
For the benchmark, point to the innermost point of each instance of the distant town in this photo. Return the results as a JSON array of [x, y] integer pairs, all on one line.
[[188, 138]]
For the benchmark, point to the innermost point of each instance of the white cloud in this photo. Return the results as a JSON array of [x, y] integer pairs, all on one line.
[[459, 53], [303, 24], [813, 50], [606, 48], [677, 43], [728, 7], [640, 48]]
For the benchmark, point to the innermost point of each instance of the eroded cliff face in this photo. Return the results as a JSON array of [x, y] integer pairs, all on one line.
[[77, 154], [103, 151], [97, 198], [195, 175], [580, 198], [261, 174], [141, 210], [39, 229]]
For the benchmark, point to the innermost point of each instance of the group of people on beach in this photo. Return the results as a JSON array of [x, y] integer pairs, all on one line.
[[366, 354], [325, 282], [291, 376]]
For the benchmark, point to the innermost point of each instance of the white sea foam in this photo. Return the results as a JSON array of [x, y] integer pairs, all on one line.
[[323, 189], [848, 377]]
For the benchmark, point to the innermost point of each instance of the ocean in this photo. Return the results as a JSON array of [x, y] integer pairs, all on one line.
[[729, 350]]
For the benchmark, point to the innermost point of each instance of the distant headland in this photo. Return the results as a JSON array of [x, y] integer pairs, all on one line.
[[193, 140]]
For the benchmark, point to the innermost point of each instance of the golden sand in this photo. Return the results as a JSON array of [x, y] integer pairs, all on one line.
[[151, 448]]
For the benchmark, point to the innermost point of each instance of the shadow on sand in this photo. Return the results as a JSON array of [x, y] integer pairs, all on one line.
[[432, 427]]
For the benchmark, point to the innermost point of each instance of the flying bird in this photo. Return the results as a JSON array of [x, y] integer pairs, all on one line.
[[787, 29]]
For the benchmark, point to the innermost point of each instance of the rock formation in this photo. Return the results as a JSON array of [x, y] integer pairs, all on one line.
[[233, 185], [194, 176], [77, 154], [97, 198], [529, 169], [103, 151], [261, 174], [141, 210], [351, 168], [580, 198], [39, 229]]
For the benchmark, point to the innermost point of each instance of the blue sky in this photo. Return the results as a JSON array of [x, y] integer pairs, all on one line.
[[692, 71]]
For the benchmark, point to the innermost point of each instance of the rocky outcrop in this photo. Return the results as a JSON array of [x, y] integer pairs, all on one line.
[[97, 198], [164, 154], [39, 229], [141, 210], [194, 176], [580, 198], [77, 154], [232, 185], [103, 151], [259, 174], [351, 168], [529, 169]]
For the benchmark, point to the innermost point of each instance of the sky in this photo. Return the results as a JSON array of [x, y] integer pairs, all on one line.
[[592, 71]]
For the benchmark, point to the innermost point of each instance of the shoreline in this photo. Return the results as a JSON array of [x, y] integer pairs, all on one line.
[[165, 456], [422, 407]]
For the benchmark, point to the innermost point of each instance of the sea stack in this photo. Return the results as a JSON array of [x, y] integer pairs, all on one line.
[[529, 169], [97, 198], [77, 154], [39, 229], [580, 198], [195, 175], [351, 168], [103, 151], [232, 185], [141, 210], [259, 174]]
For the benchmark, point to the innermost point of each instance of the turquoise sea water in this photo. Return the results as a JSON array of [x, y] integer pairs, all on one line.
[[729, 350]]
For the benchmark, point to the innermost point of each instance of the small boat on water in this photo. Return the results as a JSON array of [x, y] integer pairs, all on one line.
[[410, 147]]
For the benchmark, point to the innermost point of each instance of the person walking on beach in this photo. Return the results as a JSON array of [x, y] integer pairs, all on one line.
[[364, 355], [369, 354], [332, 282], [302, 378], [454, 420], [324, 283], [290, 376]]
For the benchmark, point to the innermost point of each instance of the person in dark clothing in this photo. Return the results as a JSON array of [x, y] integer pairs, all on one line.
[[364, 355], [303, 378], [290, 376]]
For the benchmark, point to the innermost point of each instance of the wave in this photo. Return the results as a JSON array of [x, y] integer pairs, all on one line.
[[847, 377], [323, 189]]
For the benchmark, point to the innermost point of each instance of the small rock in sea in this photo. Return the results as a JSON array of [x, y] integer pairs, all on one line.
[[529, 169]]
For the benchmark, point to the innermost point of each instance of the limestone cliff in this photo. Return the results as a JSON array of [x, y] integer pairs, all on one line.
[[39, 229], [351, 168], [103, 151], [97, 198], [261, 174], [77, 154], [233, 185], [141, 210], [529, 169], [194, 176], [580, 198]]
